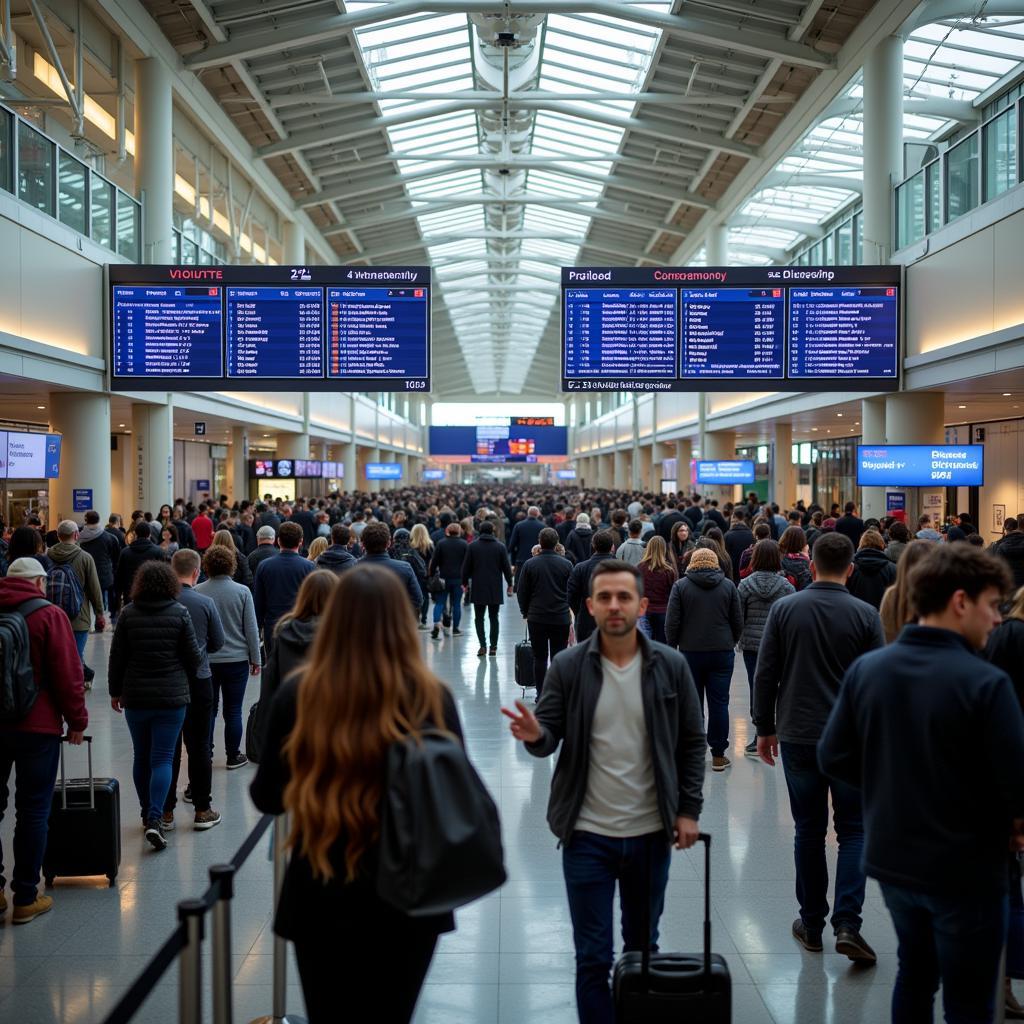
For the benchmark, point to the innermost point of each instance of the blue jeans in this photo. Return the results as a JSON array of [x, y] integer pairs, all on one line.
[[956, 938], [81, 635], [657, 624], [453, 592], [808, 800], [154, 736], [592, 864], [229, 682], [712, 672], [34, 756]]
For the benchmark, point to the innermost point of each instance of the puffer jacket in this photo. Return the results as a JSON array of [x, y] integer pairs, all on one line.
[[578, 543], [873, 574], [337, 558], [894, 550], [704, 612], [153, 656], [799, 568], [758, 592]]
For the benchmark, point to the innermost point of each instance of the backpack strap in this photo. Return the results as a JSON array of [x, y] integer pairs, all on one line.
[[33, 604]]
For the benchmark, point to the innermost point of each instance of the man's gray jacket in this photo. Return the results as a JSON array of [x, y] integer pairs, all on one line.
[[674, 725]]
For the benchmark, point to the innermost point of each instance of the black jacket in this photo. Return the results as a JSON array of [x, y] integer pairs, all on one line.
[[873, 574], [799, 569], [153, 655], [667, 521], [308, 907], [105, 551], [933, 737], [578, 590], [1006, 651], [1011, 549], [703, 612], [577, 544], [809, 641], [850, 526], [291, 647], [337, 558], [449, 554], [542, 588], [737, 540], [524, 535], [487, 569], [305, 519], [257, 555], [134, 555], [671, 711]]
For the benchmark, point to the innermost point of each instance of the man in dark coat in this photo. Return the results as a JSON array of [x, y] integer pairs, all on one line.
[[278, 580], [850, 524], [524, 537], [485, 564], [337, 557], [305, 519], [142, 549], [578, 589], [738, 538], [376, 538], [105, 549], [1011, 549]]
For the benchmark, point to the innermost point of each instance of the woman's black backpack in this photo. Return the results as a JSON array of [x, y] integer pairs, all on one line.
[[440, 842]]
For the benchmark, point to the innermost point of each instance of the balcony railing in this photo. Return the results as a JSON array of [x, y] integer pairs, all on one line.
[[979, 168], [51, 179]]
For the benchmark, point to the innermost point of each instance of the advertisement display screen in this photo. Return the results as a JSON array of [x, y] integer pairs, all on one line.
[[26, 456], [332, 470], [269, 328], [383, 471], [920, 465], [725, 471], [565, 474], [434, 474], [724, 328], [309, 468], [505, 442]]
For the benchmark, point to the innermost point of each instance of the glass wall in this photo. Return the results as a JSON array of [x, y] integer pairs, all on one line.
[[128, 227], [835, 471], [910, 208], [103, 212], [6, 150], [35, 168], [74, 206], [962, 178], [1000, 147]]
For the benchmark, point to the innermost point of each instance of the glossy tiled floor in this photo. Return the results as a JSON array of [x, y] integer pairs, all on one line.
[[511, 959]]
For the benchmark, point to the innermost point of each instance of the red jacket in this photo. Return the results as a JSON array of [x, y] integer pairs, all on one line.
[[202, 527], [55, 662]]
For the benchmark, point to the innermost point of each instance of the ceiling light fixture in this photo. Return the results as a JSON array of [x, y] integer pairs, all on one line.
[[1007, 394], [961, 406], [839, 414], [40, 406]]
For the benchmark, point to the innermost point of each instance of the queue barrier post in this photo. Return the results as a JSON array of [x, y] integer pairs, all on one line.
[[222, 879], [190, 963]]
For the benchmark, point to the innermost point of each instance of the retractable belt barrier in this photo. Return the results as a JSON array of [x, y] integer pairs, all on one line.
[[185, 944]]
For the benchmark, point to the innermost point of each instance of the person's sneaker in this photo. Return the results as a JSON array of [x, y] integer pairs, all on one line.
[[423, 626], [435, 632], [493, 652], [88, 673], [719, 764], [481, 652], [154, 836], [751, 749], [811, 941], [167, 822], [30, 911], [206, 819], [456, 631], [238, 760], [187, 795], [852, 945]]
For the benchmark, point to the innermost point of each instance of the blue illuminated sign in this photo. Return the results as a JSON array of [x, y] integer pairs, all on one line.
[[565, 474], [733, 332], [434, 474], [25, 456], [275, 332], [725, 471], [921, 465], [383, 471]]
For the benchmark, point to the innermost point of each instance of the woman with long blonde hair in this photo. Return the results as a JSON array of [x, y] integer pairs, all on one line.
[[364, 688]]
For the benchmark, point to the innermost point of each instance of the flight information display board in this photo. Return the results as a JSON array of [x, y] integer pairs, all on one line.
[[728, 328], [269, 328], [725, 471], [500, 442]]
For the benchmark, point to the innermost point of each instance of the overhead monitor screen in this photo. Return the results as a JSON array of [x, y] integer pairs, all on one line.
[[726, 328], [511, 440], [725, 471], [25, 456], [434, 474], [920, 465], [565, 474], [383, 471], [269, 328]]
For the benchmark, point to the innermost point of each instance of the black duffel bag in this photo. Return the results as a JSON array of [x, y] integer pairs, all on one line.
[[440, 841]]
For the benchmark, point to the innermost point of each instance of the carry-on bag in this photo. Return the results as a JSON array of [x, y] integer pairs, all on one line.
[[658, 988], [84, 835], [524, 663]]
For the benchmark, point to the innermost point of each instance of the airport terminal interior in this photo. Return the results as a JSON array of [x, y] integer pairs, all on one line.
[[484, 255]]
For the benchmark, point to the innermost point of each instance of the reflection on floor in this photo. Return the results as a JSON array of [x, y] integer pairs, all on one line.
[[511, 959]]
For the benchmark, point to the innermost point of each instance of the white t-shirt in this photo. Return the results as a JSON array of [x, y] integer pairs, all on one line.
[[621, 798]]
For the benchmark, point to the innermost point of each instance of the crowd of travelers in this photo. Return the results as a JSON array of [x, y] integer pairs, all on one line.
[[884, 662]]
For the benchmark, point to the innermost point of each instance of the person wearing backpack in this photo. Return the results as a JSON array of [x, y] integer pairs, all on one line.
[[74, 585], [329, 735], [41, 685]]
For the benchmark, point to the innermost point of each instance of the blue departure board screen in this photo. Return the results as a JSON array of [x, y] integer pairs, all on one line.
[[733, 332], [265, 328], [726, 328], [501, 442], [167, 332]]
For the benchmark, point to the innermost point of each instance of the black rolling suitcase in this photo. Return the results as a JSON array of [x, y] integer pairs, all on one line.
[[85, 826], [670, 987], [524, 663]]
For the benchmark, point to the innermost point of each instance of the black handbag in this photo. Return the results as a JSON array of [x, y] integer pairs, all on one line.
[[435, 585], [440, 840]]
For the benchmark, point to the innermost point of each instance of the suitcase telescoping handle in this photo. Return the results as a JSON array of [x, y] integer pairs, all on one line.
[[705, 838], [63, 780]]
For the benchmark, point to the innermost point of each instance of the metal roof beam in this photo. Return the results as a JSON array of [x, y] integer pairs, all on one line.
[[756, 220], [944, 10], [736, 37]]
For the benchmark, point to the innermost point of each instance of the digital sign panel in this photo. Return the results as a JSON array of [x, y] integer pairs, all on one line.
[[726, 328], [434, 474], [383, 471], [269, 328], [565, 474], [25, 456], [920, 465], [508, 442], [725, 471]]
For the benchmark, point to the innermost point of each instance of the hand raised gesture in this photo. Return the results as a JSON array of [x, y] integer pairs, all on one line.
[[524, 726]]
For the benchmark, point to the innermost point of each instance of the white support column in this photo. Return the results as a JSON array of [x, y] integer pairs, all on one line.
[[605, 471], [916, 417], [154, 159], [645, 474], [717, 246], [84, 420], [619, 469], [153, 439], [883, 146], [719, 444], [684, 454], [783, 491], [634, 462], [294, 244], [349, 456], [292, 446], [239, 464], [872, 420]]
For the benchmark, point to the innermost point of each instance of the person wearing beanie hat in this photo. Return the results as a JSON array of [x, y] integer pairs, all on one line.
[[705, 622], [31, 744]]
